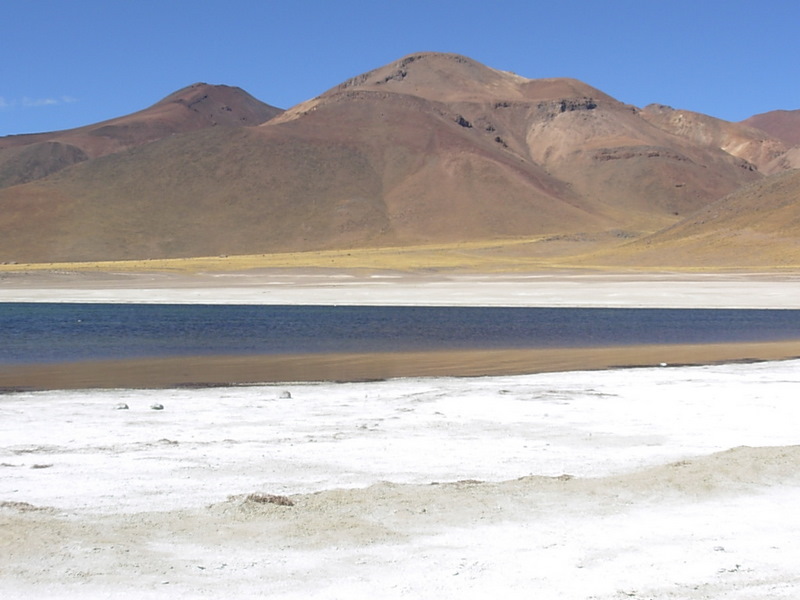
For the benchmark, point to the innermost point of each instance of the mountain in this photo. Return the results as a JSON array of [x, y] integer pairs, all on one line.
[[755, 226], [788, 160], [617, 164], [432, 148], [782, 124], [29, 157], [737, 139], [785, 126]]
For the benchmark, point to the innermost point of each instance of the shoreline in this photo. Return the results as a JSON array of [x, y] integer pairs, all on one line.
[[213, 371], [402, 288], [337, 286]]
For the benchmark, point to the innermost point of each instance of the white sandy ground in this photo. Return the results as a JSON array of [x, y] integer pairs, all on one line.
[[275, 286], [684, 483]]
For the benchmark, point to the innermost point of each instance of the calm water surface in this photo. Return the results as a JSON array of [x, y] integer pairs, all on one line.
[[41, 332]]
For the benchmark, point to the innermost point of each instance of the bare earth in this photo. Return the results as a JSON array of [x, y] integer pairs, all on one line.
[[676, 482]]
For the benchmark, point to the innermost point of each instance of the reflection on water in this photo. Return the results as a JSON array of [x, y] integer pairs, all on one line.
[[42, 332]]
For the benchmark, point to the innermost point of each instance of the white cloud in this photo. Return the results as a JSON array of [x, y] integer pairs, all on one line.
[[27, 102], [32, 102]]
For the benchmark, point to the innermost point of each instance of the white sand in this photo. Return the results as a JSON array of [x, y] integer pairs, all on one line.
[[664, 500], [668, 290]]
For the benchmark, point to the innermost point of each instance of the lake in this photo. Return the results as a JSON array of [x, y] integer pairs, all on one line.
[[56, 332]]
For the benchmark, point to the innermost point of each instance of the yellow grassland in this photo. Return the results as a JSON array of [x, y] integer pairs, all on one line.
[[489, 256]]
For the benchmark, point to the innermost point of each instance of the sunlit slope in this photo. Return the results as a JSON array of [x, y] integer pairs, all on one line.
[[433, 149]]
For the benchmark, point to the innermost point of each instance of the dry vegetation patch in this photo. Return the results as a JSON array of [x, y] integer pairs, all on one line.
[[259, 498]]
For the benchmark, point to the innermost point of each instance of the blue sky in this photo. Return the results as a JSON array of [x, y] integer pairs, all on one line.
[[67, 63]]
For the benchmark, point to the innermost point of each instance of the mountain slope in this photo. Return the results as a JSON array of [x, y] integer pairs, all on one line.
[[24, 163], [29, 157], [782, 124], [758, 225], [280, 189], [431, 148], [619, 164], [748, 143]]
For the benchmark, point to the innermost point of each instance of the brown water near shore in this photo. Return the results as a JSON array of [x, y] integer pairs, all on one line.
[[231, 370]]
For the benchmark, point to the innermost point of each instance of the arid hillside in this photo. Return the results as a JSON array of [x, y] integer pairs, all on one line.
[[757, 226], [748, 143], [434, 148], [25, 158], [785, 126], [782, 124]]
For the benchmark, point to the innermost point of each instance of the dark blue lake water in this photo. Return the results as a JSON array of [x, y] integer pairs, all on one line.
[[37, 332]]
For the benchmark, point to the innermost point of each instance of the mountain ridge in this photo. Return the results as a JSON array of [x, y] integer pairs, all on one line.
[[27, 157], [431, 148]]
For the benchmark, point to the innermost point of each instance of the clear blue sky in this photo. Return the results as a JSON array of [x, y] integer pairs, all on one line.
[[67, 63]]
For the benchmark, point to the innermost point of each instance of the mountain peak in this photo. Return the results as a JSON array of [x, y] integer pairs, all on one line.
[[199, 89], [222, 104], [196, 106], [451, 77]]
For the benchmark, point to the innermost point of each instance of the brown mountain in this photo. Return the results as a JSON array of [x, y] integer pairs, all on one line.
[[756, 226], [431, 148], [748, 143], [788, 160], [29, 157], [617, 162], [782, 124]]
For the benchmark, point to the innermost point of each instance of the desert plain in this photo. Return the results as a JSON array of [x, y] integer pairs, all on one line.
[[649, 472]]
